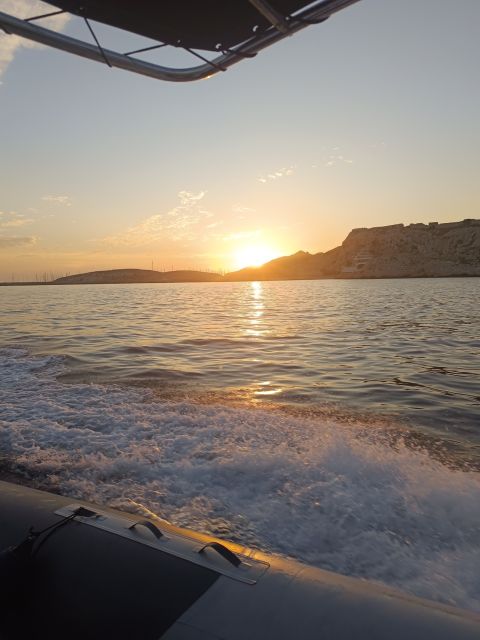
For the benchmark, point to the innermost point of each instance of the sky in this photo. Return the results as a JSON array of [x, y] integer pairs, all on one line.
[[368, 119]]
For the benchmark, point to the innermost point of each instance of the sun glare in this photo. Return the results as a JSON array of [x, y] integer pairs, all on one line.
[[253, 255]]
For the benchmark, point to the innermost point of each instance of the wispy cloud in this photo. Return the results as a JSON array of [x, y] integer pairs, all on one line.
[[177, 224], [13, 219], [62, 200], [241, 211], [10, 44], [9, 242], [275, 175], [337, 159], [242, 235], [331, 158]]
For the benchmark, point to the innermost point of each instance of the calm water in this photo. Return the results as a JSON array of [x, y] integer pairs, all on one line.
[[409, 349], [337, 422]]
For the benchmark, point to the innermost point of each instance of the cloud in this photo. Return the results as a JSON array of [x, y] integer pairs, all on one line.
[[19, 222], [337, 159], [176, 224], [63, 200], [12, 219], [10, 44], [331, 158], [242, 235], [7, 242], [275, 175], [242, 211]]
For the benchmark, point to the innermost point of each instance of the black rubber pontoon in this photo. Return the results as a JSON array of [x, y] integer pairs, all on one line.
[[98, 573], [232, 30]]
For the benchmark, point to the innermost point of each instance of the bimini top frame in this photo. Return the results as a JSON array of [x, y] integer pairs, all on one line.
[[260, 21]]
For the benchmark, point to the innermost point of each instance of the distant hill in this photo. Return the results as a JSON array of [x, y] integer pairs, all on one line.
[[395, 251], [126, 276], [299, 266]]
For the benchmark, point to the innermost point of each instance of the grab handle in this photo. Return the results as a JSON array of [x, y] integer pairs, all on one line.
[[148, 525], [223, 551]]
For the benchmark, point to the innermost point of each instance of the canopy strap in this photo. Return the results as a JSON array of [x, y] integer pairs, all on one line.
[[155, 46], [104, 55], [210, 62], [45, 15]]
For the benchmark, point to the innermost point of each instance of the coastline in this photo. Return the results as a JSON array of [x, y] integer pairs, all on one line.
[[259, 279]]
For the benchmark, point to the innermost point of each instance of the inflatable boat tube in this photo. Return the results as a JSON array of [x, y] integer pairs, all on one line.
[[74, 570]]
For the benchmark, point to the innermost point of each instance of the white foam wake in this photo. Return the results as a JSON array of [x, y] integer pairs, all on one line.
[[312, 489]]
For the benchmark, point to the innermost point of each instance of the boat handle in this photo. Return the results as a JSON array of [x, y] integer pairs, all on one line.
[[149, 525], [223, 551]]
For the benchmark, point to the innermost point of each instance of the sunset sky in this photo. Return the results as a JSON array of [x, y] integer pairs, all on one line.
[[371, 118]]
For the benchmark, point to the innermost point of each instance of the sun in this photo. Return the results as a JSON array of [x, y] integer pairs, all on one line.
[[253, 255]]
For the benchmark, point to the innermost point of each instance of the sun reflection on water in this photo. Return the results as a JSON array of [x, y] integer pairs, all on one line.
[[256, 312], [256, 328], [268, 392]]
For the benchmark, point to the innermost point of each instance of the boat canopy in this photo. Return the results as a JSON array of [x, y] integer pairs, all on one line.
[[218, 33]]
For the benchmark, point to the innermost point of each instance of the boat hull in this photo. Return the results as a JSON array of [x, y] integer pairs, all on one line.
[[98, 576]]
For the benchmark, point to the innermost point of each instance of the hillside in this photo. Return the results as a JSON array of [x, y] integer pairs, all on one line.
[[396, 251], [128, 276]]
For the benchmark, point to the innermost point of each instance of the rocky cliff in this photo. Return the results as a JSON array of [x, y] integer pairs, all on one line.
[[416, 250], [396, 251]]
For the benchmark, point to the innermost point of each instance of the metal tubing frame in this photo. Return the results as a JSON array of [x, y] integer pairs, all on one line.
[[276, 19], [318, 12]]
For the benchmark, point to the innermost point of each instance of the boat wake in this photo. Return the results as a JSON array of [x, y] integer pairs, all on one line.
[[319, 490]]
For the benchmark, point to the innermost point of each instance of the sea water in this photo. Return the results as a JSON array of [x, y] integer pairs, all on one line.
[[336, 422]]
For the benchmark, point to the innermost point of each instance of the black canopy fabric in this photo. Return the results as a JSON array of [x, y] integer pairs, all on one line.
[[195, 24]]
